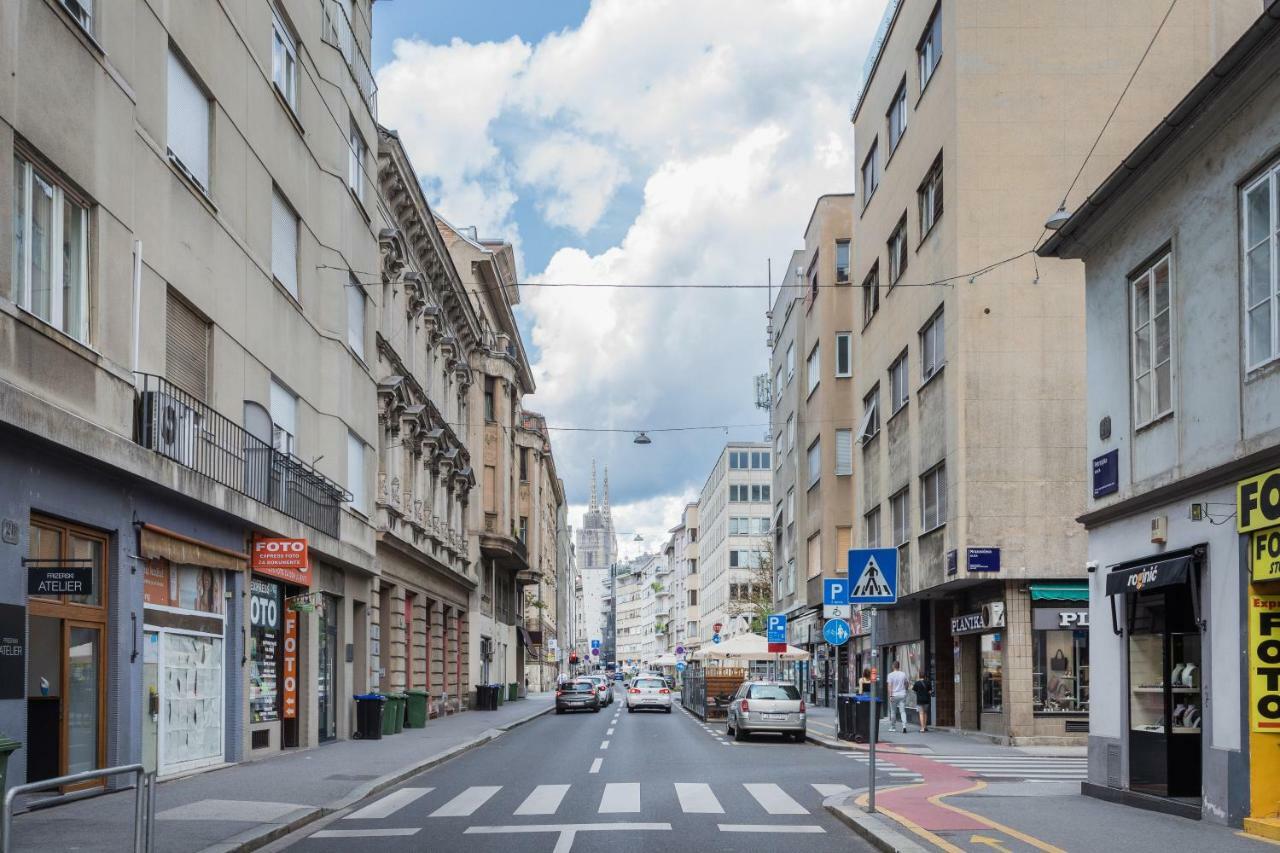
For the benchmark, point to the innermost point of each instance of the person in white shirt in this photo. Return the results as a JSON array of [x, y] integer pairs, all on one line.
[[897, 683]]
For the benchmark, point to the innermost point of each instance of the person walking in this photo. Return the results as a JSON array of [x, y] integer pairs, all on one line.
[[921, 689], [864, 683], [897, 683]]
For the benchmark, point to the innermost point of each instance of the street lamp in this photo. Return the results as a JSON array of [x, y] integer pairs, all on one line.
[[642, 438], [1059, 218]]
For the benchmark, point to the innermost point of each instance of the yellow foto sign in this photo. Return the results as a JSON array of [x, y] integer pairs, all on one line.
[[1264, 662], [1264, 555], [1258, 502]]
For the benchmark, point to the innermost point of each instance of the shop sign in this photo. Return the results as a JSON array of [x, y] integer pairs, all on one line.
[[1051, 619], [1264, 555], [983, 559], [59, 577], [1264, 662], [13, 651], [286, 559], [1106, 473], [989, 617], [290, 710], [1258, 502], [264, 652]]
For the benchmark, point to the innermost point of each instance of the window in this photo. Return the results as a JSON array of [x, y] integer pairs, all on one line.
[[758, 493], [871, 522], [815, 462], [760, 460], [1261, 279], [842, 261], [355, 316], [897, 115], [929, 51], [844, 541], [812, 370], [929, 196], [284, 417], [933, 498], [1152, 349], [355, 471], [898, 383], [284, 243], [50, 268], [186, 347], [188, 122], [355, 162], [791, 362], [844, 452], [813, 278], [777, 385], [791, 505], [791, 432], [82, 11], [900, 516], [992, 672], [815, 555], [778, 441], [898, 251], [870, 175], [933, 351], [737, 493], [284, 61], [1059, 665], [871, 294], [524, 464], [523, 533], [490, 415], [870, 426], [844, 354]]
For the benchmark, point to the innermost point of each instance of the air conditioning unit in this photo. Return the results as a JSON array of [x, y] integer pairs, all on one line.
[[171, 427]]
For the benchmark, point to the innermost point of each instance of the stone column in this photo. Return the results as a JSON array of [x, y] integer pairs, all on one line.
[[1018, 690], [421, 664]]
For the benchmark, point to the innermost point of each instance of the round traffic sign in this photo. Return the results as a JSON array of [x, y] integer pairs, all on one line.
[[680, 665], [715, 638], [679, 650], [836, 632]]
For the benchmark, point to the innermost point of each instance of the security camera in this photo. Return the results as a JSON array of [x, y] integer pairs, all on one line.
[[1092, 566]]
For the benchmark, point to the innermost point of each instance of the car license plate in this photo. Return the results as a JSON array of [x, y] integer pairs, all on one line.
[[777, 717]]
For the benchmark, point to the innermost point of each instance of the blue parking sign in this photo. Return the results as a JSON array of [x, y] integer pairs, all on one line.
[[777, 632], [835, 591]]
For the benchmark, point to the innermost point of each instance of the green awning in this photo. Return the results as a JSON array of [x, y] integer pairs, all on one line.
[[1065, 591]]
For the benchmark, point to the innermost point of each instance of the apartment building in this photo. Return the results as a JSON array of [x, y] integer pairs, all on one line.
[[540, 507], [684, 606], [1183, 434], [635, 588], [664, 629], [733, 540], [973, 390], [812, 424], [186, 405]]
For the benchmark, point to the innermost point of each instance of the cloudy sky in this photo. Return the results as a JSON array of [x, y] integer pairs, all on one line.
[[667, 142]]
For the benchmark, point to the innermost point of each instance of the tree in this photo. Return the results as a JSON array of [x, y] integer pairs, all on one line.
[[754, 599]]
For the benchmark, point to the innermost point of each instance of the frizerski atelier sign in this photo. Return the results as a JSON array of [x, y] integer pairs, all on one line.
[[59, 577]]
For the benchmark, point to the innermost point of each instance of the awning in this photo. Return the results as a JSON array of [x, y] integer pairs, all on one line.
[[1150, 575], [176, 548], [1065, 591], [525, 640]]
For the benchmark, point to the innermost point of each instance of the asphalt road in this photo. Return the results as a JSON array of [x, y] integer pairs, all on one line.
[[612, 781]]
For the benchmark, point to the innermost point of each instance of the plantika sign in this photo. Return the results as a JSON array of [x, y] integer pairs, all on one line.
[[1264, 663], [286, 559]]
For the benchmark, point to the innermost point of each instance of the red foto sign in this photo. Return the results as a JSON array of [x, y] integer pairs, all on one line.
[[290, 692], [286, 559]]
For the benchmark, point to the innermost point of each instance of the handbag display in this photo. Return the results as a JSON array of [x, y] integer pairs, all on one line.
[[1058, 663]]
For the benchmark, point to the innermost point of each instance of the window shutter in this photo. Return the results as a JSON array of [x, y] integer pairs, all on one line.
[[844, 451], [188, 116], [186, 348], [284, 242]]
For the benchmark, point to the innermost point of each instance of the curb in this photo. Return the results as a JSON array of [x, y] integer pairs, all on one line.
[[876, 830], [261, 836], [827, 742]]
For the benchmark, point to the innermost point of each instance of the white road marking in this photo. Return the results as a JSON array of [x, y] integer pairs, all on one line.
[[389, 804], [467, 802], [765, 827], [620, 797], [361, 833], [545, 799], [697, 798], [567, 831], [773, 799], [832, 790], [595, 765], [604, 744], [609, 732]]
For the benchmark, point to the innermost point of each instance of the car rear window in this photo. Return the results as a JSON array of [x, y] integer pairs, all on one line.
[[580, 687], [650, 682], [774, 691]]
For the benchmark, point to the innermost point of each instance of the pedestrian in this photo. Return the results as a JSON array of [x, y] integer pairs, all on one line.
[[897, 682], [864, 683], [921, 689]]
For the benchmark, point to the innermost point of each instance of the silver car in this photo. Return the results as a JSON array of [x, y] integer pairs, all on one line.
[[604, 687], [767, 706]]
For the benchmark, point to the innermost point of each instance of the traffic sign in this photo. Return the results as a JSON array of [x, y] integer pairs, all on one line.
[[776, 635], [680, 665], [679, 650], [836, 632], [835, 590], [836, 611], [874, 575], [715, 638], [595, 650], [595, 644]]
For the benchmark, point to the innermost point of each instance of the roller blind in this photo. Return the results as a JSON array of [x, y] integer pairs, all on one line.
[[188, 118], [186, 348], [284, 242], [844, 451]]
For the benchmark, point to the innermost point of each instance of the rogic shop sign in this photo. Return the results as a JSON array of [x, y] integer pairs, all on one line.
[[286, 559], [1264, 663]]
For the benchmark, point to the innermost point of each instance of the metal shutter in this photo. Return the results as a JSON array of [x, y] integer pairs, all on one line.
[[284, 242], [186, 348]]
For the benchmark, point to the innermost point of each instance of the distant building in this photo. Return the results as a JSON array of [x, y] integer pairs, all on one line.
[[596, 550]]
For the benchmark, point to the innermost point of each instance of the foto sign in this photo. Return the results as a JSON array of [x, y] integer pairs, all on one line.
[[835, 591], [1258, 502], [874, 575], [776, 635], [1264, 653], [286, 559], [1264, 555]]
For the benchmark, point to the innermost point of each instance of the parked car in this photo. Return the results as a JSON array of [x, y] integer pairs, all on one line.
[[767, 706], [604, 688], [577, 695], [617, 676], [649, 692]]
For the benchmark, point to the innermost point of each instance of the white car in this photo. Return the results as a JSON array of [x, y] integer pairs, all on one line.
[[604, 687], [648, 691]]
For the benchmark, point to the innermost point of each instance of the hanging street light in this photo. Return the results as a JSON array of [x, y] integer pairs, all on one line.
[[642, 438]]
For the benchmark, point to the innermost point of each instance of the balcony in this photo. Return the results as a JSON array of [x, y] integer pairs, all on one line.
[[339, 33], [183, 428]]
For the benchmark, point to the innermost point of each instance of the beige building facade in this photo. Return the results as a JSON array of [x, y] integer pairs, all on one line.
[[541, 524]]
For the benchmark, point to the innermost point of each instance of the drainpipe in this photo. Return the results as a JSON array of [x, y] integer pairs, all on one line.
[[137, 307]]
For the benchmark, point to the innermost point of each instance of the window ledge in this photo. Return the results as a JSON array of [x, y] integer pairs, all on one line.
[[844, 376], [894, 150], [898, 411], [812, 391], [932, 376], [1154, 422], [289, 110], [189, 182], [84, 34], [866, 200], [924, 238], [359, 202], [934, 529], [1261, 371], [53, 333], [287, 293], [933, 76], [863, 442]]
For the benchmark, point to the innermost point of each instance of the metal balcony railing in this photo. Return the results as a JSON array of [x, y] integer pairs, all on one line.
[[339, 33], [182, 427]]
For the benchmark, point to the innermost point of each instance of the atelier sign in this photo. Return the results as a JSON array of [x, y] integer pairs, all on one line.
[[1264, 663], [13, 651], [59, 579]]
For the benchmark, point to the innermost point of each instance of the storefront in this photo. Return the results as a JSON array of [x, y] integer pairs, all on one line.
[[979, 636], [1258, 519], [278, 596], [1060, 648]]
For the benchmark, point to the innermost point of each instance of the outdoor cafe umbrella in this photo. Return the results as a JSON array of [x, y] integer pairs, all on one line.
[[663, 660], [747, 647]]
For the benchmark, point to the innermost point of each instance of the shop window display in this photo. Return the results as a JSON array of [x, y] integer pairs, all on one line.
[[911, 656], [1060, 674], [992, 671]]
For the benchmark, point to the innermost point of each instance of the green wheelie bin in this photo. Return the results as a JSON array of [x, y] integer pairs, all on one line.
[[416, 714]]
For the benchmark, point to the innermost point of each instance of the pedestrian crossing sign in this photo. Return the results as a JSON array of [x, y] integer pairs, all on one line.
[[874, 575]]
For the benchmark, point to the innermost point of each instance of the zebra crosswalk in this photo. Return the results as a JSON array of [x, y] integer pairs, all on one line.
[[1048, 768], [898, 775]]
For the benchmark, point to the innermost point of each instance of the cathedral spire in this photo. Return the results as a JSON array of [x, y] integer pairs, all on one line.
[[593, 486], [606, 492]]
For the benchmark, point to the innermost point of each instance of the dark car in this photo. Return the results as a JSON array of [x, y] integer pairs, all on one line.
[[577, 696]]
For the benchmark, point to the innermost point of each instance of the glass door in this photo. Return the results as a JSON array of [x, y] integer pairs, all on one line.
[[327, 671], [83, 689]]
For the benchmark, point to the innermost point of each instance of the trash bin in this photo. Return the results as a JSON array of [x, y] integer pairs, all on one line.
[[844, 716], [7, 746], [416, 713], [513, 692], [482, 697], [864, 719], [402, 705], [389, 714], [501, 694], [368, 716]]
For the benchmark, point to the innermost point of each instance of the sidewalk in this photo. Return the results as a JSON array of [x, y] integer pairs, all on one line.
[[245, 806]]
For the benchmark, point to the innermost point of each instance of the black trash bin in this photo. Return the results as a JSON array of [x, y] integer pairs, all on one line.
[[369, 716], [864, 719], [486, 697], [844, 716]]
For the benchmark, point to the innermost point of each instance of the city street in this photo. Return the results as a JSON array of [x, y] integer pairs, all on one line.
[[609, 781]]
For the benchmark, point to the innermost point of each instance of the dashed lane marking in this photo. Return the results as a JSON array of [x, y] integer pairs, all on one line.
[[595, 765], [604, 744]]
